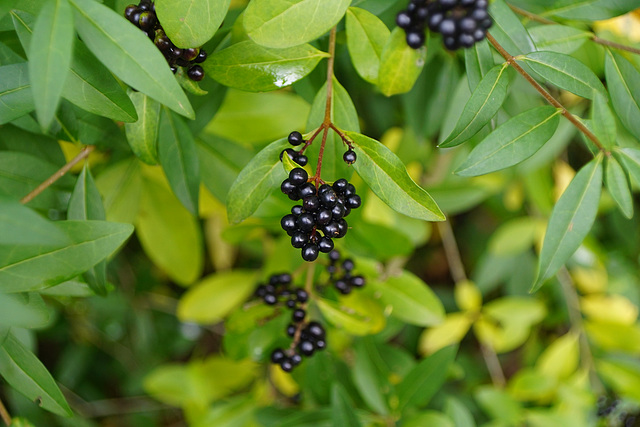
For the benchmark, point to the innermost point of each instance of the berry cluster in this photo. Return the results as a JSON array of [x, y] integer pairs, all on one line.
[[461, 22], [144, 17], [343, 282], [295, 139], [323, 210]]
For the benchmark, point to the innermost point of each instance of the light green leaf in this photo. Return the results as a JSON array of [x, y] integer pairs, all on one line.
[[514, 236], [512, 142], [508, 30], [366, 38], [215, 296], [26, 268], [191, 23], [558, 38], [387, 176], [571, 219], [179, 159], [20, 225], [23, 310], [251, 67], [23, 371], [565, 72], [428, 418], [410, 299], [342, 412], [286, 23], [459, 413], [560, 359], [617, 183], [630, 158], [603, 121], [256, 181], [16, 99], [623, 80], [485, 101], [400, 65], [120, 185], [357, 314], [142, 134], [129, 54]]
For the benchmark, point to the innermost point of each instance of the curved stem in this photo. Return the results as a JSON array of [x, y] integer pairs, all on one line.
[[4, 414]]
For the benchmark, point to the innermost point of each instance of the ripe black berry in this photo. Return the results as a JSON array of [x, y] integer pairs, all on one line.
[[325, 245], [403, 20], [354, 201], [296, 359], [305, 222], [348, 264], [343, 287], [130, 10], [202, 56], [321, 345], [291, 330], [306, 347], [328, 198], [357, 281], [146, 21], [301, 159], [340, 185], [196, 73], [310, 252], [334, 256], [286, 365], [315, 330], [299, 239], [277, 355], [415, 39], [270, 299], [298, 176], [323, 216], [290, 152], [311, 203], [190, 54], [295, 138], [287, 187], [349, 157], [289, 223], [302, 295]]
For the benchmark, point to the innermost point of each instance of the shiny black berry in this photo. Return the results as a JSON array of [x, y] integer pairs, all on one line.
[[291, 330], [298, 176], [277, 355], [310, 252], [307, 190], [289, 222], [295, 138], [349, 157], [301, 159], [306, 347], [202, 56], [415, 39], [325, 245], [190, 54], [334, 256], [196, 73], [305, 222], [286, 365]]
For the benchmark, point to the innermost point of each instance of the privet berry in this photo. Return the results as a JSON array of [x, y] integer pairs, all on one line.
[[295, 138], [461, 22], [340, 273], [143, 16]]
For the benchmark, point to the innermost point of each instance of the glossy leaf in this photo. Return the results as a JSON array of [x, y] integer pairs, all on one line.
[[191, 23], [251, 67], [485, 101], [400, 65], [508, 30], [23, 371], [387, 176], [16, 99], [342, 408], [142, 134], [558, 38], [565, 72], [179, 159], [50, 53], [623, 80], [286, 23], [20, 225], [366, 38], [617, 183], [256, 181], [129, 54], [512, 142], [571, 219]]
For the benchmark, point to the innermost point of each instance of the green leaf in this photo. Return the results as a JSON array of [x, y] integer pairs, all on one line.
[[485, 101], [23, 311], [213, 298], [366, 377], [342, 412], [478, 61], [251, 67], [590, 10], [357, 314], [571, 219], [630, 159], [387, 176], [286, 23], [50, 53], [428, 418], [512, 142], [20, 225], [120, 185], [142, 134], [623, 80], [603, 121], [410, 299], [459, 413], [422, 382], [366, 38], [33, 267], [508, 30], [565, 72], [256, 181], [129, 54], [558, 38], [617, 183], [16, 99], [400, 65], [23, 371], [191, 23], [86, 204]]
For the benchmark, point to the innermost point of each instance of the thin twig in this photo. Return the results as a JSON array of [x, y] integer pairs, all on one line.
[[451, 252], [332, 57], [59, 174], [550, 99], [615, 45], [4, 414], [532, 16], [493, 366], [308, 286]]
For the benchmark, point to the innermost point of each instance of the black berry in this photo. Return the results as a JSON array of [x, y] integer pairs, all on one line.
[[295, 138], [196, 73]]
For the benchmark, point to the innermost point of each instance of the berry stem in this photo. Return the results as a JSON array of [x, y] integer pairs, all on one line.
[[332, 54], [4, 414], [341, 135], [310, 140], [550, 99], [308, 286]]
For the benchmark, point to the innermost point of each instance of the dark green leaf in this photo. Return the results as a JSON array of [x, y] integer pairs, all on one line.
[[485, 101], [623, 80], [142, 134], [50, 53], [255, 68], [603, 121], [191, 23], [342, 408], [179, 159], [400, 65], [366, 38], [220, 163], [256, 181], [508, 30], [558, 38], [368, 380], [512, 142], [565, 72], [291, 22], [23, 371], [571, 219], [478, 60], [20, 225], [15, 92], [129, 54], [617, 183], [591, 10], [387, 176]]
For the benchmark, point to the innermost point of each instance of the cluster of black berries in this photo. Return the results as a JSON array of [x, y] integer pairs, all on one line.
[[144, 17], [613, 409], [278, 290], [323, 210], [311, 339], [461, 22], [295, 139], [340, 274]]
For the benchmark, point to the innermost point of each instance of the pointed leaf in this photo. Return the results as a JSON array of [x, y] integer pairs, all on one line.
[[142, 134], [366, 38], [23, 371], [508, 30], [286, 23], [617, 183], [571, 219], [478, 60], [512, 142], [485, 101], [387, 176], [129, 54], [20, 225], [623, 80], [26, 310], [255, 68], [16, 99], [558, 38], [342, 412], [400, 65], [630, 158], [191, 23], [590, 10]]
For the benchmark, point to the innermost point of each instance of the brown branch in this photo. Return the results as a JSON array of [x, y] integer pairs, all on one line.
[[493, 365], [451, 252], [4, 414], [615, 45], [550, 99], [59, 174], [332, 57], [532, 16]]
